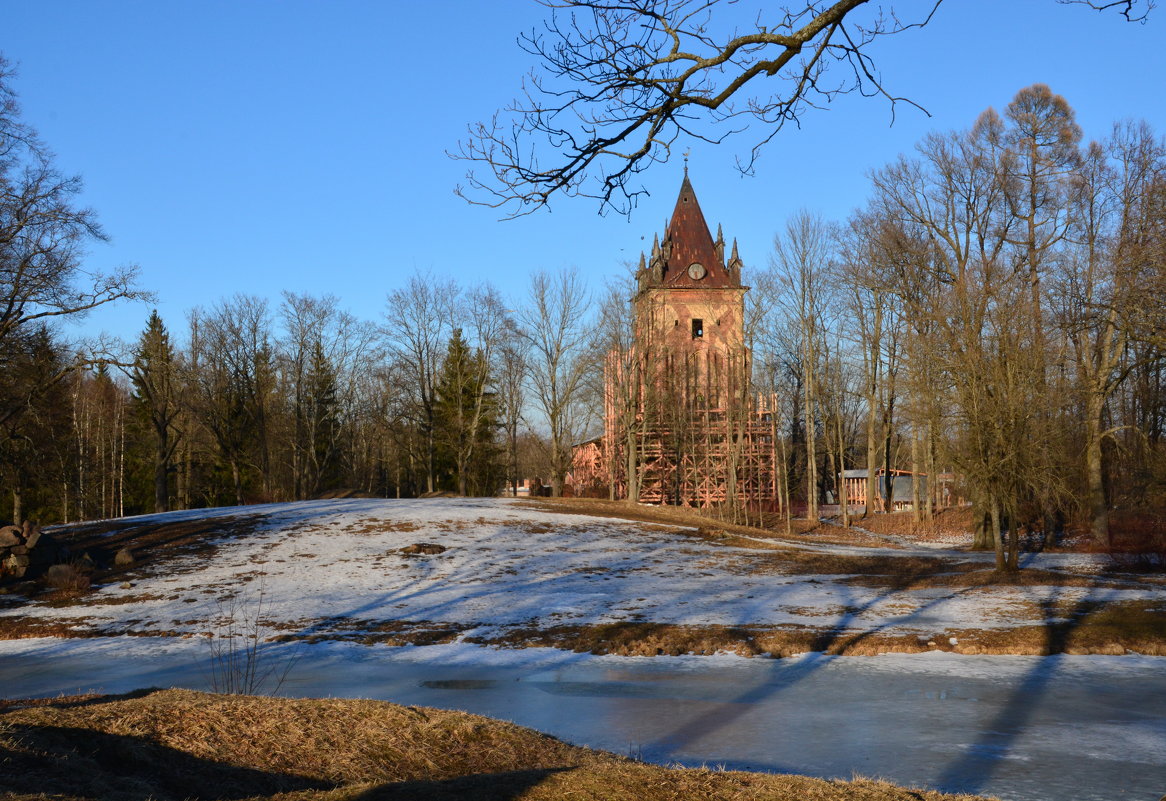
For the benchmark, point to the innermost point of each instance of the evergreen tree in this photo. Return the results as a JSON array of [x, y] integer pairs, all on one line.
[[35, 458], [466, 422], [153, 375]]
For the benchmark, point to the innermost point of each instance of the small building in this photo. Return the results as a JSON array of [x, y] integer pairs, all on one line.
[[900, 484]]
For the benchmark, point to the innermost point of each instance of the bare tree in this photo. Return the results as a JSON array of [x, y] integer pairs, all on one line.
[[419, 320], [801, 260], [230, 376], [325, 355], [1100, 284], [624, 386], [510, 379], [618, 83], [43, 235], [555, 324], [873, 250]]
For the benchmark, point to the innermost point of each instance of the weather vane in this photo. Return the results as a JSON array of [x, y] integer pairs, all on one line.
[[686, 155]]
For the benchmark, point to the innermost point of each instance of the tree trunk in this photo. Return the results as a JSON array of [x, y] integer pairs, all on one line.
[[161, 492], [633, 477], [981, 539], [811, 451], [888, 489], [997, 540], [872, 457], [237, 478], [841, 484], [916, 500], [1098, 508], [1013, 543]]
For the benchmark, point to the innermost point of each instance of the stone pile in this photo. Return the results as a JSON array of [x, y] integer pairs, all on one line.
[[23, 548]]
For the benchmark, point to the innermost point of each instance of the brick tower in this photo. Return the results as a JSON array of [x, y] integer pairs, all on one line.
[[690, 303], [680, 423]]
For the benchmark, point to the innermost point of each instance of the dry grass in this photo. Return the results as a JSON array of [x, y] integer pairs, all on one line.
[[946, 524], [180, 744], [1114, 628]]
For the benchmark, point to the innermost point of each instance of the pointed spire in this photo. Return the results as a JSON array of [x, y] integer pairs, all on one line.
[[688, 241], [642, 266], [720, 245], [655, 245], [734, 266]]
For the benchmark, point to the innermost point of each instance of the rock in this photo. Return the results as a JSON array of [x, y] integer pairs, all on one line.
[[10, 535], [18, 549], [423, 547], [33, 537], [66, 577], [59, 573], [124, 557]]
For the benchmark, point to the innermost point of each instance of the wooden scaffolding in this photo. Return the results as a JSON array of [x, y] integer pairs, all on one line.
[[682, 430]]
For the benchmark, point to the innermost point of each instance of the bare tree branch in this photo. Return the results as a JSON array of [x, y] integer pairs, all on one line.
[[618, 83], [1132, 10]]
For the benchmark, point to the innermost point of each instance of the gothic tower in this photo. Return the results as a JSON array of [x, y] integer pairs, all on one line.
[[690, 304], [680, 423]]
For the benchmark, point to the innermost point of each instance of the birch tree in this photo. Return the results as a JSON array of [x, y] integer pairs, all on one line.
[[555, 322]]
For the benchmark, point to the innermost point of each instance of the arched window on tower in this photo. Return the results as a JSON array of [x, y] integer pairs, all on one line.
[[697, 328]]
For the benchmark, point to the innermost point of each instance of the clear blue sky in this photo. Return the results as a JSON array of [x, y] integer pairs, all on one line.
[[264, 146]]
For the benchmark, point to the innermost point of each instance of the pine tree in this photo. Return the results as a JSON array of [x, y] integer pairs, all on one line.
[[153, 375], [466, 422]]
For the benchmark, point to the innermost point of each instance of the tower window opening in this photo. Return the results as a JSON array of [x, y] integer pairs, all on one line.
[[697, 328]]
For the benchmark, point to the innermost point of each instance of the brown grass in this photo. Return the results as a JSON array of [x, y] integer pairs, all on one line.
[[946, 523], [1092, 629], [180, 744]]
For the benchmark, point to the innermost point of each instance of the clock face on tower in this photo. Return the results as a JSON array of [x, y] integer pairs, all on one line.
[[696, 271]]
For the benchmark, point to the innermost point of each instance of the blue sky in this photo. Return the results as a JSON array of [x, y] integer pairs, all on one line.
[[264, 146]]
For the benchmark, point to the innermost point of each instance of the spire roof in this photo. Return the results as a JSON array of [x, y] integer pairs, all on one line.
[[692, 243]]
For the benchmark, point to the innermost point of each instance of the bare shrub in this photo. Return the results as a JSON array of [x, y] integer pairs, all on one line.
[[68, 577], [240, 660]]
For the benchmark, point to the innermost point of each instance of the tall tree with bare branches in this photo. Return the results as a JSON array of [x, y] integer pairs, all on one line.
[[555, 324]]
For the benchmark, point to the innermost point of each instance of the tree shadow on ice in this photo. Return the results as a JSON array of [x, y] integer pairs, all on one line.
[[971, 772], [795, 671]]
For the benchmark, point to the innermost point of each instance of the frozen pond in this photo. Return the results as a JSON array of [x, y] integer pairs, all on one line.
[[1016, 727]]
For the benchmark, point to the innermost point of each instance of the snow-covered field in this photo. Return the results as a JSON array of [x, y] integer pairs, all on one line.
[[324, 565]]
